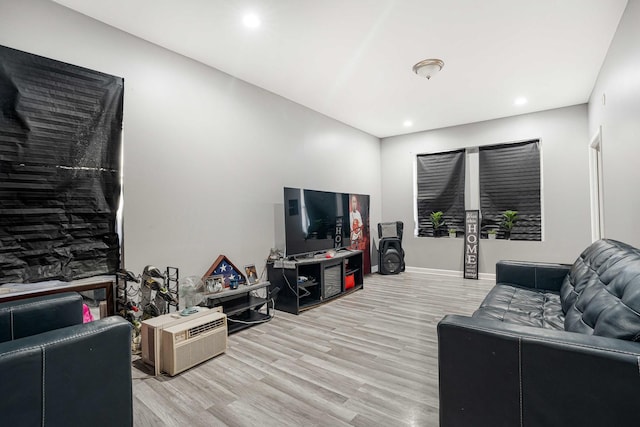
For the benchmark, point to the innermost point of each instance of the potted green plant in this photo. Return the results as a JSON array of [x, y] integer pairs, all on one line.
[[491, 234], [437, 222], [452, 232], [509, 219]]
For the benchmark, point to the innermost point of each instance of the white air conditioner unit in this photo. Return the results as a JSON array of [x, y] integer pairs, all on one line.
[[151, 341], [192, 342]]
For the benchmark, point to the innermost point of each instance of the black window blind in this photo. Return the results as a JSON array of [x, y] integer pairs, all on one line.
[[60, 142], [510, 180], [440, 182]]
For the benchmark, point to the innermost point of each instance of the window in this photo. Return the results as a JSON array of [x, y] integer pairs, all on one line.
[[499, 178], [440, 187], [60, 128], [510, 180]]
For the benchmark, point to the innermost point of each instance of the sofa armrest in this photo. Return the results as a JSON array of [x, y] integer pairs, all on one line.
[[70, 376], [492, 373], [33, 316], [532, 275]]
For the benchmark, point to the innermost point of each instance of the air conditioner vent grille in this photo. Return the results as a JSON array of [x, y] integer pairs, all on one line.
[[205, 327]]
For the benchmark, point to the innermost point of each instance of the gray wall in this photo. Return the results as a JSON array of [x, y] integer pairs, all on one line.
[[619, 116], [206, 156], [565, 162]]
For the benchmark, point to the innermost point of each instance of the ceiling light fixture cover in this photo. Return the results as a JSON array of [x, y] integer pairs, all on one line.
[[428, 67]]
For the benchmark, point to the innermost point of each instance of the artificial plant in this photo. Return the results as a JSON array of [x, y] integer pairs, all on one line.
[[436, 221], [509, 219]]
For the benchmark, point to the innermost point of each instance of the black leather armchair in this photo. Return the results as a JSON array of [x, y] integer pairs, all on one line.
[[57, 371], [526, 358]]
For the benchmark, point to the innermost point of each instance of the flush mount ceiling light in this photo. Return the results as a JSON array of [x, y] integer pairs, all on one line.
[[428, 67]]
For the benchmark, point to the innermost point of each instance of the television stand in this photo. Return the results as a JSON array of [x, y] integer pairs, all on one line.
[[327, 279]]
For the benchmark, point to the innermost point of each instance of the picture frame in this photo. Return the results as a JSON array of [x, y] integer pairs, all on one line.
[[214, 284], [251, 273]]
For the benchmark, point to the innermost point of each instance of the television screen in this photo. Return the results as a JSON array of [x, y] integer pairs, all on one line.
[[315, 221]]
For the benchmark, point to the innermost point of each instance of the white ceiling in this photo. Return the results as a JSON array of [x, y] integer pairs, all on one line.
[[351, 59]]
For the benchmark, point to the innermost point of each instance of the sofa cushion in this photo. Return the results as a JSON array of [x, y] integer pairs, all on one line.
[[74, 376], [520, 306], [601, 293]]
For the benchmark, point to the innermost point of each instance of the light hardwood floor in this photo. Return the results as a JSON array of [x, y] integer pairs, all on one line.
[[366, 359]]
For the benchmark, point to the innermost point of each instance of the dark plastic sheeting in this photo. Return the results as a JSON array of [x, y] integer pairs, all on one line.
[[440, 179], [510, 180], [60, 142]]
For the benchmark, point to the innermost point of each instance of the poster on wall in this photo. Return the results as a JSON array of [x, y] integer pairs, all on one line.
[[471, 234], [359, 228]]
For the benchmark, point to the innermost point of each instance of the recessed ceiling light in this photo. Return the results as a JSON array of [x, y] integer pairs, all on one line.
[[521, 100], [251, 20], [407, 123]]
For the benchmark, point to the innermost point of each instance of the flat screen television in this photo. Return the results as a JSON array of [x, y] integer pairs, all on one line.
[[315, 221]]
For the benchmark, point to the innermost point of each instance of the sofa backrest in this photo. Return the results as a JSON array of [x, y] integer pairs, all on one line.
[[35, 315], [601, 293]]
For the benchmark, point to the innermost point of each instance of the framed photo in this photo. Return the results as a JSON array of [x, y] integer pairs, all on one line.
[[251, 273], [214, 284]]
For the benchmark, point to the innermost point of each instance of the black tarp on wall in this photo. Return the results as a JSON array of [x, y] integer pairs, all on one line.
[[60, 146]]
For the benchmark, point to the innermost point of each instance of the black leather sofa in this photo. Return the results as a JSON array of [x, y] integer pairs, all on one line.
[[551, 345], [57, 371]]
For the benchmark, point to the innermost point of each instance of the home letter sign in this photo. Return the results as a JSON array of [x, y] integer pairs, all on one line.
[[471, 236]]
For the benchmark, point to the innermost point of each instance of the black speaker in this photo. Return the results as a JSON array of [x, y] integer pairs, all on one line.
[[390, 252], [390, 256]]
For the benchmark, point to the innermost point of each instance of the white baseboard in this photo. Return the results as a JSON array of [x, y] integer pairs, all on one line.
[[374, 268], [450, 273], [487, 276]]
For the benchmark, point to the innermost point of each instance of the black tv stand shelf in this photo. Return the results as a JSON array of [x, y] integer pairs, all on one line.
[[241, 306], [308, 284], [234, 307], [329, 278]]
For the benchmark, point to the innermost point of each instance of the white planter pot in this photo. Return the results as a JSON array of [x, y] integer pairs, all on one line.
[[492, 237]]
